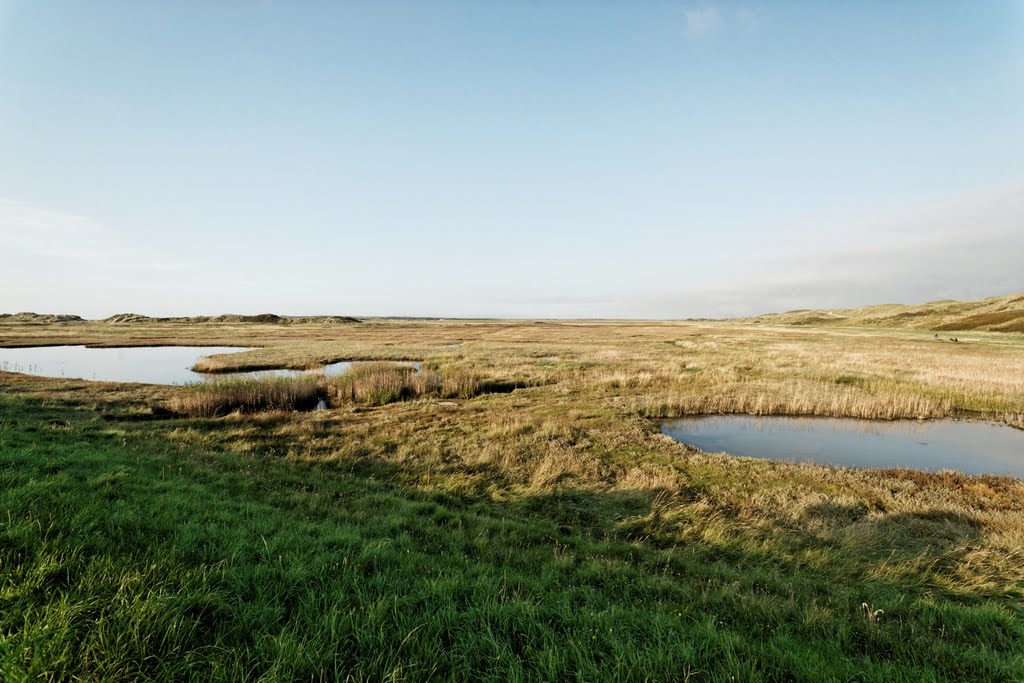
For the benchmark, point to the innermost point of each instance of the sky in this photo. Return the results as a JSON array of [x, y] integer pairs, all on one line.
[[523, 159]]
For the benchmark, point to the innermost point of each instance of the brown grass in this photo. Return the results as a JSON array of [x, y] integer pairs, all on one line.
[[986, 320], [379, 383], [223, 397], [584, 418]]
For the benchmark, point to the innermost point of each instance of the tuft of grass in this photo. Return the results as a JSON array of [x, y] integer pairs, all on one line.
[[377, 383], [222, 397], [380, 383]]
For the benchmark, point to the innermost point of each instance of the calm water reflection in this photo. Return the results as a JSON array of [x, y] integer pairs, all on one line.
[[971, 447], [330, 370], [148, 364]]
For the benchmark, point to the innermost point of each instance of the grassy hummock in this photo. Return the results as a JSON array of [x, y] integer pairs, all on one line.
[[248, 395]]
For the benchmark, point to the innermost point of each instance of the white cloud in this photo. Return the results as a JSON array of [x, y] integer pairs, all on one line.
[[69, 239], [701, 21], [969, 247]]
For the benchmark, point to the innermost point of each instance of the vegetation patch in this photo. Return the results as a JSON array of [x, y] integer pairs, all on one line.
[[378, 383], [548, 534], [133, 555], [261, 318], [39, 318], [983, 320], [222, 397]]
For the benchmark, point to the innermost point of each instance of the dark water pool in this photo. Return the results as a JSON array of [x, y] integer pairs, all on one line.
[[965, 446]]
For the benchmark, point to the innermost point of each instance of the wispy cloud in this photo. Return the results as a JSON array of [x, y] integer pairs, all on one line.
[[966, 248], [707, 19], [701, 21], [69, 238]]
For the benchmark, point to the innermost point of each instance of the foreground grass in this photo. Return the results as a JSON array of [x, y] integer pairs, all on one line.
[[439, 525], [126, 554]]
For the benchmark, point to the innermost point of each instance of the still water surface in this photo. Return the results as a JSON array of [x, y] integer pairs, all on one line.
[[970, 447], [330, 370], [146, 364]]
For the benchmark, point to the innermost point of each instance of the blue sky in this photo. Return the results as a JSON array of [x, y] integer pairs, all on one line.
[[514, 159]]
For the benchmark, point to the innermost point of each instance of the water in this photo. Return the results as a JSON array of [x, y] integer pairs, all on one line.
[[146, 364], [330, 370], [970, 447]]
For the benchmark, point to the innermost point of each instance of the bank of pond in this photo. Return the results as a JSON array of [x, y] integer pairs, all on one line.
[[144, 364], [966, 446]]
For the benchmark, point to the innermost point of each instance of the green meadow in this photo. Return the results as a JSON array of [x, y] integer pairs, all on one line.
[[509, 513]]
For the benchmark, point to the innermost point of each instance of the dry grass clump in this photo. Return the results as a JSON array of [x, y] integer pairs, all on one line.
[[383, 383], [217, 398], [793, 397], [378, 384]]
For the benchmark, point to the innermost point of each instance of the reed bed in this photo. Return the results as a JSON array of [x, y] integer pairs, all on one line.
[[380, 383], [222, 397]]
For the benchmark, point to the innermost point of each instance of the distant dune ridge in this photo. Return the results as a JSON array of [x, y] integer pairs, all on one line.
[[40, 318], [995, 314], [137, 319], [265, 318]]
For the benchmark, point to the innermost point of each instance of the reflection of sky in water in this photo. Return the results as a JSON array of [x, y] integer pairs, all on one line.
[[331, 370], [971, 447], [151, 365]]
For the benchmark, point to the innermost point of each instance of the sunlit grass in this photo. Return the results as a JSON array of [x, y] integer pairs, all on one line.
[[249, 395], [439, 525]]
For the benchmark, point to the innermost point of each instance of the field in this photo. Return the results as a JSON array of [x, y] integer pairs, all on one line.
[[510, 513], [995, 314]]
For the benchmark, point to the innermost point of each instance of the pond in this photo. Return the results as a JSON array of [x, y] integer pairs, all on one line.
[[969, 447], [146, 364], [330, 370]]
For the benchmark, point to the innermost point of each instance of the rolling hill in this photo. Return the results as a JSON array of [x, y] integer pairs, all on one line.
[[995, 314]]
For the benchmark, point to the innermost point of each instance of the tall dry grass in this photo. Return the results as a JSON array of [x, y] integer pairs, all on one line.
[[380, 383], [222, 397]]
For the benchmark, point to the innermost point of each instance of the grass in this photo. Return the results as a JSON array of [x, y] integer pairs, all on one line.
[[997, 314], [220, 397], [373, 383], [127, 558], [421, 532], [378, 383]]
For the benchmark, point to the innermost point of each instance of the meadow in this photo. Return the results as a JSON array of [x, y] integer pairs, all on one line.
[[510, 512]]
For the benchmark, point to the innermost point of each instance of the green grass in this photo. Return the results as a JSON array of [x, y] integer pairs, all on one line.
[[125, 555]]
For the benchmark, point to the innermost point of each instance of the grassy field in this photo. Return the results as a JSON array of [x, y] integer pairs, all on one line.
[[512, 513], [995, 314]]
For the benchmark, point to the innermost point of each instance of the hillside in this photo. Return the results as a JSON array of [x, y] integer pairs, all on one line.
[[40, 318], [266, 318], [995, 314]]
